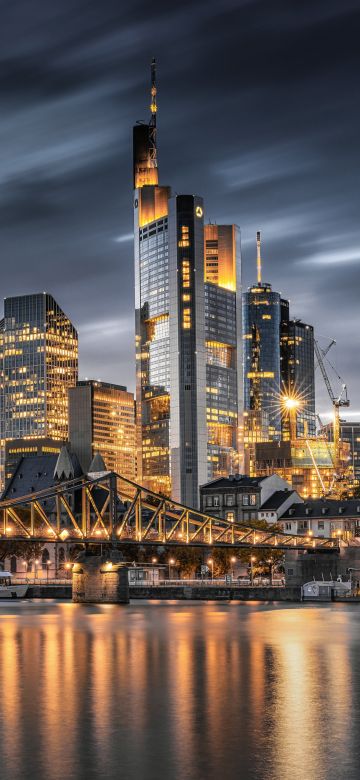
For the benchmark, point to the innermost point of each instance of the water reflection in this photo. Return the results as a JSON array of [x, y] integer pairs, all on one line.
[[183, 691]]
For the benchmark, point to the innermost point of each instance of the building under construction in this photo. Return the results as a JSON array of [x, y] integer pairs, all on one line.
[[307, 464]]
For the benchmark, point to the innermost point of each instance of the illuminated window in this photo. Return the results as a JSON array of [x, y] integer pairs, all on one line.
[[186, 320], [185, 239], [186, 273]]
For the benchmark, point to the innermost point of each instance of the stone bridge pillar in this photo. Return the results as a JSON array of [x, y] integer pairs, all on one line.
[[99, 579]]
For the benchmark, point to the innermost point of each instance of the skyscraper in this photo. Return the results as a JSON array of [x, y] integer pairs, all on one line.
[[102, 419], [38, 363], [187, 303], [298, 374], [262, 311], [223, 347]]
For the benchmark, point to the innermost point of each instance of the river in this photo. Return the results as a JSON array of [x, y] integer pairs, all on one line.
[[180, 691]]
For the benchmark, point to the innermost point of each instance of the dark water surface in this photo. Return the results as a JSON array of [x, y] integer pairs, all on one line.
[[179, 691]]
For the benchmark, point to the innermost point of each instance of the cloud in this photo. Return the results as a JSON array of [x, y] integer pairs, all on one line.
[[256, 113], [336, 257], [124, 239]]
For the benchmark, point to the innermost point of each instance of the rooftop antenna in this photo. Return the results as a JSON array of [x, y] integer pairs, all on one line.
[[258, 257], [152, 123]]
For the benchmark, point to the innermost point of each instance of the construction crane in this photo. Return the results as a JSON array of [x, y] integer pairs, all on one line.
[[337, 402], [326, 350]]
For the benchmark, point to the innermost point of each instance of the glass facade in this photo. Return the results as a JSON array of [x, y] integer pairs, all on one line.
[[298, 374], [261, 344], [222, 273], [187, 348], [39, 362], [187, 316], [153, 352], [221, 380], [350, 435], [102, 419], [308, 465]]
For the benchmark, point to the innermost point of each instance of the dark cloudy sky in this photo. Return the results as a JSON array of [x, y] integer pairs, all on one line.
[[258, 112]]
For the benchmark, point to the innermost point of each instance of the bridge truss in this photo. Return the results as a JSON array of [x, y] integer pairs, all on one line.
[[106, 507]]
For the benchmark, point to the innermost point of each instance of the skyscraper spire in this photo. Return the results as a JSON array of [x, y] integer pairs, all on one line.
[[144, 142], [258, 257], [152, 123]]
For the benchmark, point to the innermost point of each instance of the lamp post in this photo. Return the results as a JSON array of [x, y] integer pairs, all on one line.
[[233, 560], [252, 561], [36, 567], [153, 561], [211, 564], [270, 562], [48, 564], [171, 563]]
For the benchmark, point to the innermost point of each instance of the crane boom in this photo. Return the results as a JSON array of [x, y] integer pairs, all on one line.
[[342, 400], [326, 350], [323, 370]]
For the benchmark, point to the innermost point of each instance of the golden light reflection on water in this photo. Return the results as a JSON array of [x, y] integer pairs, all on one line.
[[178, 691]]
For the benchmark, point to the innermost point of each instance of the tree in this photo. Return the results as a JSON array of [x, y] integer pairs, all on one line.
[[188, 559], [26, 550]]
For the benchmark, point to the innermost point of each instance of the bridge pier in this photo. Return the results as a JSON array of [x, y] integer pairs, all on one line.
[[100, 579]]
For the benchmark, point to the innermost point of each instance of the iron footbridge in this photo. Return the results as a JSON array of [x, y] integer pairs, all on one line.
[[107, 507]]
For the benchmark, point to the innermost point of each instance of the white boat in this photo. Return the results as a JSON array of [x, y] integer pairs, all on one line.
[[323, 590], [8, 590]]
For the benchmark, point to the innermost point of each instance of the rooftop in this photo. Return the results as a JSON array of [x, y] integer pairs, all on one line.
[[234, 480], [99, 383], [37, 472], [277, 499], [320, 507]]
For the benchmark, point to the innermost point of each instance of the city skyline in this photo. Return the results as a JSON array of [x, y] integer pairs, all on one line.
[[282, 179]]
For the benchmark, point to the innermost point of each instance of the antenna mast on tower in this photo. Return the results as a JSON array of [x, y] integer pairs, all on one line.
[[152, 123], [258, 257]]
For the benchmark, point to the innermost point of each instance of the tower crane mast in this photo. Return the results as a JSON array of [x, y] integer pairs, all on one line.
[[337, 402]]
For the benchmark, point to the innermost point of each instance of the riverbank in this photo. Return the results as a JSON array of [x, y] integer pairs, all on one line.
[[181, 593], [192, 593]]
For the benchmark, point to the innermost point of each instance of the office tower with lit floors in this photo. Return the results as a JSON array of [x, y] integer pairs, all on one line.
[[223, 348], [262, 312], [298, 375], [102, 420], [38, 364], [186, 318]]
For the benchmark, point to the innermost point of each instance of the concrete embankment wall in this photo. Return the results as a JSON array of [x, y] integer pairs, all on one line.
[[180, 593], [217, 594], [49, 592]]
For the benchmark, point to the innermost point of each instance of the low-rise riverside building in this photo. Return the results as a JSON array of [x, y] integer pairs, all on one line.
[[324, 518], [239, 497], [277, 504]]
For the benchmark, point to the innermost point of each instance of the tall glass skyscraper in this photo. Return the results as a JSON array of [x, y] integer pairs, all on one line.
[[298, 374], [278, 361], [187, 301], [38, 363], [262, 380], [223, 347]]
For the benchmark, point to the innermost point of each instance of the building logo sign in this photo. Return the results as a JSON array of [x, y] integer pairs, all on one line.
[[198, 211]]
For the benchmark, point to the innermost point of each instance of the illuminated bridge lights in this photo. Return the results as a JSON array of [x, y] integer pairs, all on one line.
[[115, 509]]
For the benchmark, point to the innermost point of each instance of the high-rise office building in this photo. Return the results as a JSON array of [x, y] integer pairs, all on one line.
[[102, 419], [187, 303], [262, 312], [38, 364], [350, 434], [298, 375], [223, 347]]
